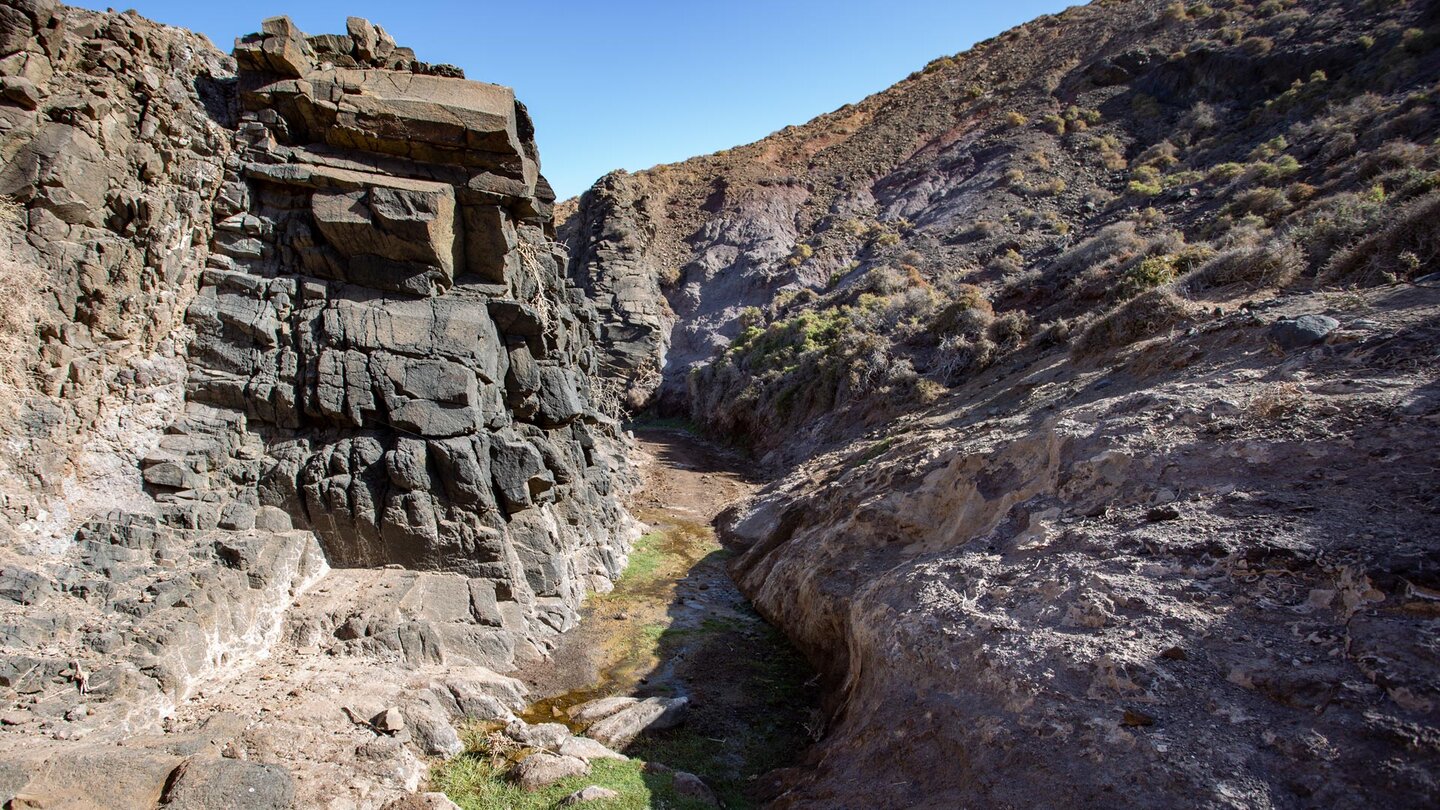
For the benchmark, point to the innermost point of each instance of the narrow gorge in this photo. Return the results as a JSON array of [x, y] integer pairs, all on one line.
[[1054, 427]]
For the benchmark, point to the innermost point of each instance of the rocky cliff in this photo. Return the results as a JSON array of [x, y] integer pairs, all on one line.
[[297, 376], [1094, 365]]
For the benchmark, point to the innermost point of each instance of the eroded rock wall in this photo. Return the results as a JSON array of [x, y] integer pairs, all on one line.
[[312, 391]]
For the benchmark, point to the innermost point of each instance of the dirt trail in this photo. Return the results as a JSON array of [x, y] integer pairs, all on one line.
[[676, 625]]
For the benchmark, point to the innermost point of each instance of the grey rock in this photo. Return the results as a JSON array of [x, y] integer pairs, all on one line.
[[547, 736], [651, 714], [592, 793], [223, 784], [540, 770], [1302, 331], [587, 749], [692, 787], [600, 708]]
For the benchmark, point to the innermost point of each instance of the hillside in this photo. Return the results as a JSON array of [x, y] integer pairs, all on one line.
[[1096, 368]]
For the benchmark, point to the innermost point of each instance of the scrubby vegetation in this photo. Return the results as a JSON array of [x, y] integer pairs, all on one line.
[[1101, 211]]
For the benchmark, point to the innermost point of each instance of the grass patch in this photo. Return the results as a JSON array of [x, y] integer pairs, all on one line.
[[475, 781], [646, 557]]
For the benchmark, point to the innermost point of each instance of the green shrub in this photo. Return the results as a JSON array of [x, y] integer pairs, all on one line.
[[1014, 119], [801, 252]]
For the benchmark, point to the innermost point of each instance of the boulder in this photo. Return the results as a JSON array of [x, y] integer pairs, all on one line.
[[540, 770], [587, 749], [690, 786], [219, 784], [1302, 331], [651, 714], [547, 736]]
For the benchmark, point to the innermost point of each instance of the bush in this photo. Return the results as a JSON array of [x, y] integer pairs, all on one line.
[[959, 355], [1333, 224], [1276, 263], [1144, 316], [1409, 242], [801, 252], [1006, 263], [1014, 119], [1009, 330]]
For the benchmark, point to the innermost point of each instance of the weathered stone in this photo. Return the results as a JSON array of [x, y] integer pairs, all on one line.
[[651, 714], [690, 786], [600, 708], [593, 793], [540, 770], [1302, 331], [587, 749], [207, 784], [547, 736]]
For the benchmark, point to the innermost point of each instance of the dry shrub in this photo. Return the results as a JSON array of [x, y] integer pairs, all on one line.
[[1144, 316], [1117, 242], [1277, 402], [1009, 330], [959, 355], [1276, 263], [1408, 246]]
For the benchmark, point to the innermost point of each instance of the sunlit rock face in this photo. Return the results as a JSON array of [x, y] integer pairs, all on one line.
[[311, 310]]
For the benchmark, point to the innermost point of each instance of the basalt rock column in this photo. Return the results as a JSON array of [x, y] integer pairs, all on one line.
[[386, 307]]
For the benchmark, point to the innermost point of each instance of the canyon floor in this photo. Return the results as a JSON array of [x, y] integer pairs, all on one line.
[[675, 626]]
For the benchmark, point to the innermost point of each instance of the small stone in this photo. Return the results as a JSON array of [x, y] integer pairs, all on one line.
[[1134, 718], [1162, 512], [593, 793], [539, 770], [692, 787], [389, 721]]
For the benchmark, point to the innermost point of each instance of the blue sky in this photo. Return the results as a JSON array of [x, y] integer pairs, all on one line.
[[632, 83]]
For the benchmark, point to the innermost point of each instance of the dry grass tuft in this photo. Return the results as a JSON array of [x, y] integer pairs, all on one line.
[[1144, 316], [1407, 247], [1277, 263]]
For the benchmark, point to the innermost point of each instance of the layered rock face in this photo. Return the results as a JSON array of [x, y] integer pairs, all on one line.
[[310, 304]]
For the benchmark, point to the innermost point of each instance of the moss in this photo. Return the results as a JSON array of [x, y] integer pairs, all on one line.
[[645, 558], [475, 781]]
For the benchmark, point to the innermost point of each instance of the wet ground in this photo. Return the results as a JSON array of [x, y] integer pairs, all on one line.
[[676, 625]]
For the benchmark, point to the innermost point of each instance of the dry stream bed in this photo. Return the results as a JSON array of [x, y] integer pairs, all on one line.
[[675, 625]]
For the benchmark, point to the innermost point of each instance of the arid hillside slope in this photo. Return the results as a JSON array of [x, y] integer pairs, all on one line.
[[1098, 364]]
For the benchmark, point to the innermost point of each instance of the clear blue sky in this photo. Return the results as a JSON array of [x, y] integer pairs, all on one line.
[[632, 83]]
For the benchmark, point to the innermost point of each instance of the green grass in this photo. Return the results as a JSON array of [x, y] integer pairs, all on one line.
[[646, 556], [472, 781]]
